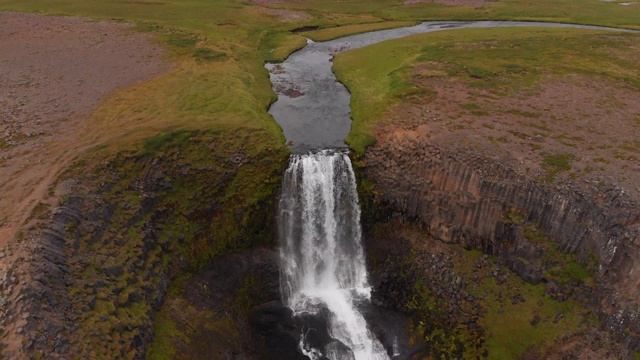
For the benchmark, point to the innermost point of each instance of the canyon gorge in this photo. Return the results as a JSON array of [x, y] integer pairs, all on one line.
[[187, 246]]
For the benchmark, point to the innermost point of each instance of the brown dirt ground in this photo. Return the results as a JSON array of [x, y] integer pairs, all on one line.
[[55, 72], [472, 3], [274, 2], [287, 15], [595, 121], [588, 345], [281, 14]]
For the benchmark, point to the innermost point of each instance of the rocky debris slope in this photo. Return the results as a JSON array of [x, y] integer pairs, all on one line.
[[458, 300], [210, 312], [102, 261], [450, 306], [464, 198]]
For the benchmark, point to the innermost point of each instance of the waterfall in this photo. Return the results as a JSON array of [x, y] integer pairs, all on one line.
[[322, 260]]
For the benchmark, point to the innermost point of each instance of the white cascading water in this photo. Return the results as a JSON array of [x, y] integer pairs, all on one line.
[[322, 260]]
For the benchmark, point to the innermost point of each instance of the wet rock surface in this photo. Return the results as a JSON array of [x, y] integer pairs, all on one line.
[[214, 309]]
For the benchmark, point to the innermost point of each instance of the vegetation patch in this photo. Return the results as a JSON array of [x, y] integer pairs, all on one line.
[[519, 134], [523, 113], [554, 164], [498, 140], [181, 40], [204, 54], [167, 207], [470, 106], [41, 211], [436, 283], [165, 331], [560, 267]]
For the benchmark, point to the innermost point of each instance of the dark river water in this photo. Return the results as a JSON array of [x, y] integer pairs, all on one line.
[[313, 107]]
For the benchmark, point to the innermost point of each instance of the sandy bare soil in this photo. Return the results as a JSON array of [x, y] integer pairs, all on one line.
[[54, 72], [596, 124]]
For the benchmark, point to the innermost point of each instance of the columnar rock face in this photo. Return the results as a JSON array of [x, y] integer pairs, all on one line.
[[462, 197], [100, 263]]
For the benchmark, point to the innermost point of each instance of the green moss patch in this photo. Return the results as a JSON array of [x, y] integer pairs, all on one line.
[[164, 208], [554, 164]]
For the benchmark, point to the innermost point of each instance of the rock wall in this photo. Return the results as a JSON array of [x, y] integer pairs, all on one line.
[[462, 197], [101, 262]]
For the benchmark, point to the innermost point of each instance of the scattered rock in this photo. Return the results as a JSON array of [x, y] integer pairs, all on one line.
[[536, 319]]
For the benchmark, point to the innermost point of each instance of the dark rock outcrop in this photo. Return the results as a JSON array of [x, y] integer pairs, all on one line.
[[273, 329], [212, 310], [465, 198], [101, 263]]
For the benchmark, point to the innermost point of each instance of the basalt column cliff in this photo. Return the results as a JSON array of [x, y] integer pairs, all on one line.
[[468, 199]]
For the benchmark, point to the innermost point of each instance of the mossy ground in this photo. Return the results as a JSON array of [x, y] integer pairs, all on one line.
[[501, 60], [156, 212], [511, 331], [206, 315], [180, 336], [510, 318]]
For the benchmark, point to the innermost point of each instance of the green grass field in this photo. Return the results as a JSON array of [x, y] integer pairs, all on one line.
[[511, 339], [220, 46], [497, 59]]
